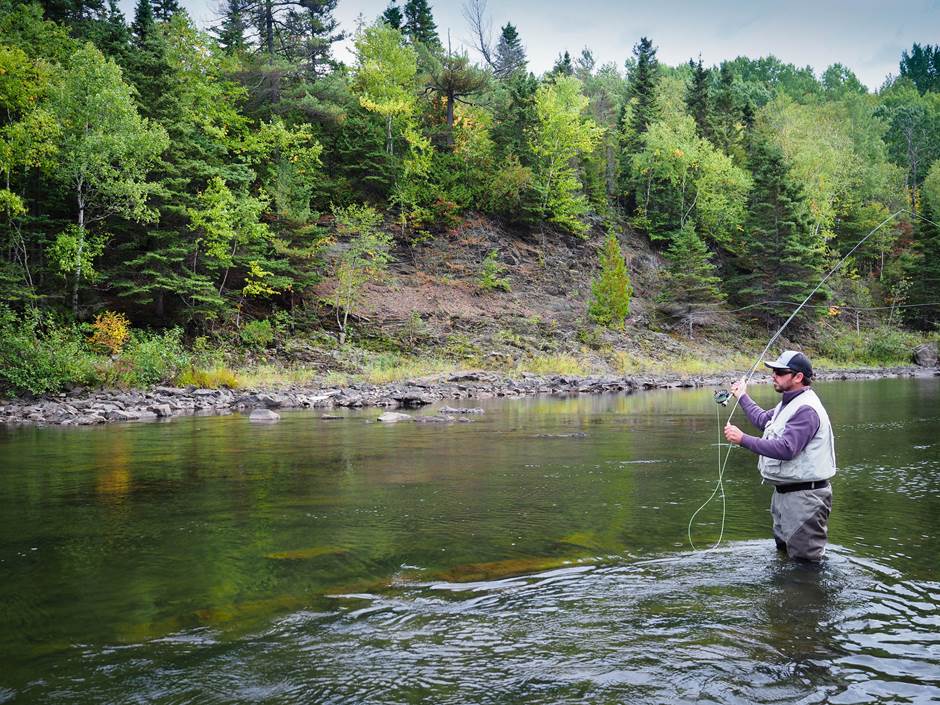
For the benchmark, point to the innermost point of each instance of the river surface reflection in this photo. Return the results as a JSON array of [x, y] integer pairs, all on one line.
[[537, 554]]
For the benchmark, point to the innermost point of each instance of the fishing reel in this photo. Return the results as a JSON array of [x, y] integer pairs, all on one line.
[[722, 396]]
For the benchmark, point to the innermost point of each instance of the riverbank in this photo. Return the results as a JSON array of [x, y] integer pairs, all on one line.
[[94, 407]]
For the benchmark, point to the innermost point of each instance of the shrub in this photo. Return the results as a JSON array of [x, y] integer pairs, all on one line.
[[110, 332], [611, 290], [37, 355], [257, 334], [490, 274], [154, 357]]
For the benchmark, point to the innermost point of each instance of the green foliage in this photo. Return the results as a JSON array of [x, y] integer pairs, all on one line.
[[690, 290], [257, 334], [212, 378], [560, 137], [682, 179], [365, 257], [611, 290], [40, 355], [154, 358], [491, 278], [879, 345]]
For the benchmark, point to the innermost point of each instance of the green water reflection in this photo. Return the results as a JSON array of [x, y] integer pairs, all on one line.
[[122, 534]]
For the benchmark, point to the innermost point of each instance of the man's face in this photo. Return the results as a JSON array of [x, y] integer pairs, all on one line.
[[785, 380]]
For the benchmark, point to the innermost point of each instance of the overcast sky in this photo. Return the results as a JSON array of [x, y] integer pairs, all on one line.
[[865, 35]]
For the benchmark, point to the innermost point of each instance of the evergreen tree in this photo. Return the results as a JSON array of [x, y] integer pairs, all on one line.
[[419, 24], [144, 22], [112, 36], [639, 111], [923, 267], [690, 290], [784, 252], [697, 99], [922, 66], [611, 290], [231, 33], [643, 80], [563, 65], [510, 54], [453, 78], [392, 15], [727, 123], [309, 34], [163, 10], [515, 116]]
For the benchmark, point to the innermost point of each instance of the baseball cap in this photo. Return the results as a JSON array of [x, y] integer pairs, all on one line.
[[792, 360]]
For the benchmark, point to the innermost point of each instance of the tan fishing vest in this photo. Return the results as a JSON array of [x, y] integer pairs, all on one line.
[[817, 461]]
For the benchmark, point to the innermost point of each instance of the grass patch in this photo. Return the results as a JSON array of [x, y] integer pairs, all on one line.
[[553, 364], [274, 376], [630, 364], [393, 367], [208, 379]]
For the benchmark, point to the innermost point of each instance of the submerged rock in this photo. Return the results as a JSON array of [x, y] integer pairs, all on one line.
[[263, 415], [394, 417]]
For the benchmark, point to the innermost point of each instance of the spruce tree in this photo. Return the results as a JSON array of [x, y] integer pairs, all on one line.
[[419, 25], [639, 111], [563, 65], [690, 287], [510, 54], [392, 15], [783, 251], [697, 99], [643, 80], [611, 290], [163, 10], [728, 119], [231, 32]]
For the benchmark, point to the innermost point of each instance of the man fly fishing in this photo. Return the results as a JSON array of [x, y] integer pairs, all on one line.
[[797, 455]]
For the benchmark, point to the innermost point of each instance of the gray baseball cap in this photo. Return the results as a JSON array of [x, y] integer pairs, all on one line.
[[792, 360]]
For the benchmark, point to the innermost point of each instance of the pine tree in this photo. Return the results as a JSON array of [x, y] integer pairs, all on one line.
[[644, 79], [639, 111], [163, 10], [728, 119], [308, 36], [510, 54], [922, 66], [784, 252], [690, 287], [563, 65], [515, 117], [697, 98], [392, 15], [232, 31], [611, 290], [419, 24], [144, 21]]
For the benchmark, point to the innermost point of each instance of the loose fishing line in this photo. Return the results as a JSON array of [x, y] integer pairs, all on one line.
[[722, 397]]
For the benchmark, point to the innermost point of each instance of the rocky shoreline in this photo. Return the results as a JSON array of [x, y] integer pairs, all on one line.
[[92, 407]]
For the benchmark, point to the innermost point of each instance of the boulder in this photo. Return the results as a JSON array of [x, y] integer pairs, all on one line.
[[162, 410], [394, 417], [263, 416], [925, 355]]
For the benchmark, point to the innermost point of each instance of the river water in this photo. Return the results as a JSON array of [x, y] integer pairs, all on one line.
[[538, 554]]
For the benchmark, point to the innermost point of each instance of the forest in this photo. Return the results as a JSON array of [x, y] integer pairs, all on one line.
[[170, 191]]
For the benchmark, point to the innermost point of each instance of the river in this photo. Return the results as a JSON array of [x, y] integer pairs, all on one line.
[[538, 553]]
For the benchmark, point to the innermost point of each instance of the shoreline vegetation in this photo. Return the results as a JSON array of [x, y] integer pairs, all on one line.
[[86, 407]]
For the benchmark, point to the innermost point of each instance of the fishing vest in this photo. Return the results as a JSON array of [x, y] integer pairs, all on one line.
[[817, 461]]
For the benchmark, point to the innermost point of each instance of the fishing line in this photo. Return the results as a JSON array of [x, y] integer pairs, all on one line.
[[719, 486]]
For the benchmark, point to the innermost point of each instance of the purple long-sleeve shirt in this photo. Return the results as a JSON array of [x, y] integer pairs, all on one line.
[[801, 427]]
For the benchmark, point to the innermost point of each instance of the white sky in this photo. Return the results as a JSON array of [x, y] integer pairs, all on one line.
[[865, 35]]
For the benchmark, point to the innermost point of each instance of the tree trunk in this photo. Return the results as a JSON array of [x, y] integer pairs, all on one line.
[[78, 252]]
